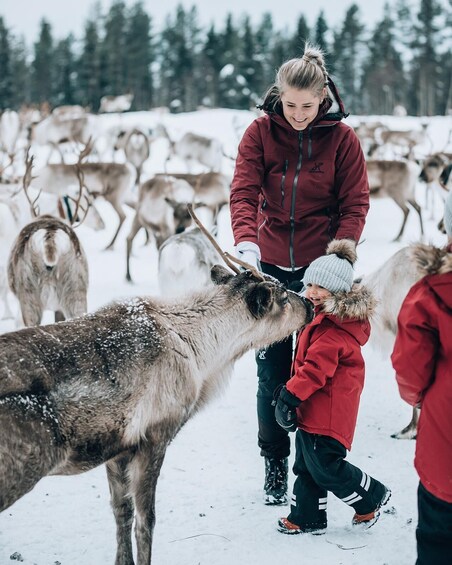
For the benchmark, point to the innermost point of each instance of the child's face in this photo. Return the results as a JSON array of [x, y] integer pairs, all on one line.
[[317, 294]]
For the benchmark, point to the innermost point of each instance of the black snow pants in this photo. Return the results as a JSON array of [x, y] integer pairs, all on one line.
[[273, 368], [320, 467], [434, 529]]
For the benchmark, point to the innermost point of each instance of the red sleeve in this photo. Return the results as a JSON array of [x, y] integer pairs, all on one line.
[[319, 364], [416, 344], [352, 188], [246, 185]]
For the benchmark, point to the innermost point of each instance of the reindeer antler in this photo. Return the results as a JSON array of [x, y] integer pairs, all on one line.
[[88, 147], [227, 257], [27, 178]]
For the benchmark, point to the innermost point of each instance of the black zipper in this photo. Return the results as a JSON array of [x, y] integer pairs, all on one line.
[[294, 194], [283, 181]]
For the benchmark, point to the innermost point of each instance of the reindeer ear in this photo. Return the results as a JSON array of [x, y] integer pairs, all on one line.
[[171, 202], [259, 300], [220, 275]]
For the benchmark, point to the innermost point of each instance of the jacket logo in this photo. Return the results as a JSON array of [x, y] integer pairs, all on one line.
[[317, 168]]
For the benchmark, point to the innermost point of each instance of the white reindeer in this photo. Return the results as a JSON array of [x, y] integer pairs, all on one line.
[[184, 263], [120, 103], [193, 148]]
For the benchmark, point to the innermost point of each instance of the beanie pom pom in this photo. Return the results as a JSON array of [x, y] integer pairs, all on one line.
[[344, 249]]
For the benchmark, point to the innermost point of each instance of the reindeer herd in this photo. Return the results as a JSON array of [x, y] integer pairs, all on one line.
[[115, 386]]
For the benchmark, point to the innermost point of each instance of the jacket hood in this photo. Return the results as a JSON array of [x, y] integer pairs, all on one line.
[[351, 311], [331, 110], [432, 260]]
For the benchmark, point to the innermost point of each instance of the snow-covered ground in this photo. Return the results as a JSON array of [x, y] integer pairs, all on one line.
[[209, 508]]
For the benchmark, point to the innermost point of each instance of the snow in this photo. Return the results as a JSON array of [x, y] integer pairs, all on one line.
[[209, 495]]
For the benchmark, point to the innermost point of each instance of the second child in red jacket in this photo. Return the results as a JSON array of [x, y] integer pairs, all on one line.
[[321, 399]]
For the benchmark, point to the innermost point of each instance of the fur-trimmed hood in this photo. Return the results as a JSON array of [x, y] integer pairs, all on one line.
[[431, 260], [359, 304], [435, 268]]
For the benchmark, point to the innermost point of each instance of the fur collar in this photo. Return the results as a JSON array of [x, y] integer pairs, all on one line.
[[431, 260], [359, 303]]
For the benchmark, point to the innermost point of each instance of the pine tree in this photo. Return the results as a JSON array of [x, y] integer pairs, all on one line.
[[88, 65], [42, 69], [265, 38], [21, 73], [301, 36], [320, 36], [211, 63], [139, 57], [230, 47], [248, 66], [425, 63], [114, 50], [383, 83], [346, 58], [6, 73], [63, 88]]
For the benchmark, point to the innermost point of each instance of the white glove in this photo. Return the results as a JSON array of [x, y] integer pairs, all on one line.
[[250, 253]]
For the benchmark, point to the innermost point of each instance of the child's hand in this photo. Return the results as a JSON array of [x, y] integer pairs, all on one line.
[[285, 411]]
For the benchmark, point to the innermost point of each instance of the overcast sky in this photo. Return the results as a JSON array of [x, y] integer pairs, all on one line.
[[23, 16]]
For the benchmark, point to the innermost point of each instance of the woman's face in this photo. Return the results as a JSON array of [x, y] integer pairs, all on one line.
[[300, 107]]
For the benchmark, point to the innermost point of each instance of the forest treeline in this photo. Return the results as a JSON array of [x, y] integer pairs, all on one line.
[[404, 60]]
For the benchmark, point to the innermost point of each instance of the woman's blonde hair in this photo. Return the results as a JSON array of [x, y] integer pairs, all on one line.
[[307, 72]]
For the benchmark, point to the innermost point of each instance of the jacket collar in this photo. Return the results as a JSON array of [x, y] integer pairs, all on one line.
[[358, 304]]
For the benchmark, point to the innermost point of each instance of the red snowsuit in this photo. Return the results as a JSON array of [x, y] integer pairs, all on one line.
[[328, 372]]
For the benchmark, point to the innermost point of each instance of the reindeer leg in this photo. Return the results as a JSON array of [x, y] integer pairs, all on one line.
[[405, 211], [144, 472], [122, 505], [59, 316], [31, 313], [410, 431], [122, 217], [136, 225], [418, 210]]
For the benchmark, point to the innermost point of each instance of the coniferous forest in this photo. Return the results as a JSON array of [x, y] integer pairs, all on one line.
[[403, 60]]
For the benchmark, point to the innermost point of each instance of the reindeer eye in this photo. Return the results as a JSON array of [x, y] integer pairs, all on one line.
[[284, 299]]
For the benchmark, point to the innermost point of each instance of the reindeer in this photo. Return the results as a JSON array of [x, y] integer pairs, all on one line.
[[9, 136], [47, 267], [120, 103], [161, 210], [56, 129], [107, 180], [435, 173], [135, 144], [192, 147], [402, 139], [396, 179], [390, 284], [116, 386], [184, 263], [212, 189]]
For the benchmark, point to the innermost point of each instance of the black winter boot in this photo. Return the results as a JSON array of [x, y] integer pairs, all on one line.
[[275, 487]]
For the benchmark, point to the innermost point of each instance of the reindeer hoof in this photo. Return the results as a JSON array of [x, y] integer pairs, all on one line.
[[405, 434]]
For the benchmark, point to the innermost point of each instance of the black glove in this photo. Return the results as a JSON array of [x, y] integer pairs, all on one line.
[[285, 411]]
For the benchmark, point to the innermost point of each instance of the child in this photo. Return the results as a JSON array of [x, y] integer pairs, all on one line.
[[321, 398], [422, 358]]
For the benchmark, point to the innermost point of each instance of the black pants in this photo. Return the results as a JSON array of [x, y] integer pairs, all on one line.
[[320, 467], [273, 368], [434, 529]]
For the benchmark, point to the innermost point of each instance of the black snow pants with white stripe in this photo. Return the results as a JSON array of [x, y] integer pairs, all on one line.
[[320, 467]]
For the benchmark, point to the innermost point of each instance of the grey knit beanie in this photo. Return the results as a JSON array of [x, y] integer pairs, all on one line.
[[448, 214], [333, 271]]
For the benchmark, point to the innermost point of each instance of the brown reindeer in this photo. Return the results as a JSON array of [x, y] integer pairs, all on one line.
[[396, 180], [115, 387]]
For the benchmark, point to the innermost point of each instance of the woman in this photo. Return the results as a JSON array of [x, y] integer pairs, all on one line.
[[300, 181]]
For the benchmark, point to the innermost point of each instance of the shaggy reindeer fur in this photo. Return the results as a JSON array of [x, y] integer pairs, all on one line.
[[117, 385]]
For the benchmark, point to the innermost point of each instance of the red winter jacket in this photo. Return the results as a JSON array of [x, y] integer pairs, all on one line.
[[293, 192], [422, 359], [328, 369]]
